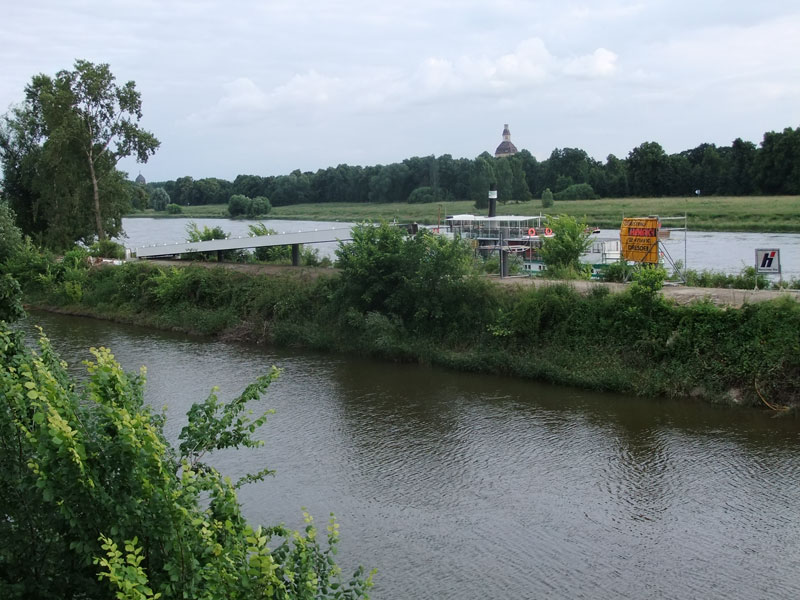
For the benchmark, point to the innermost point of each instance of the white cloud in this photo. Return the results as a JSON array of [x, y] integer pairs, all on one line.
[[231, 87], [601, 63], [435, 78], [605, 11]]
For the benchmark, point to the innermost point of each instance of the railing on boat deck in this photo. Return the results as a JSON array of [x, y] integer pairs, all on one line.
[[495, 227]]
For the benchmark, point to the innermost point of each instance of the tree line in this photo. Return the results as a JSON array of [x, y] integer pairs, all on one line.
[[741, 169]]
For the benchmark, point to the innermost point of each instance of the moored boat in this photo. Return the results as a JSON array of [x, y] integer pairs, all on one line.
[[522, 237]]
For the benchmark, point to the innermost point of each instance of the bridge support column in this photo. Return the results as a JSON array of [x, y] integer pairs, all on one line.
[[295, 255]]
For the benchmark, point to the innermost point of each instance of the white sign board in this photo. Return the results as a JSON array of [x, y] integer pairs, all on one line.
[[768, 260]]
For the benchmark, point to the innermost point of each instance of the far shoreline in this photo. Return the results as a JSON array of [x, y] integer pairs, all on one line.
[[756, 214]]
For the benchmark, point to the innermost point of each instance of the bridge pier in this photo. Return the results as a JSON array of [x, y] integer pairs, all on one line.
[[295, 255]]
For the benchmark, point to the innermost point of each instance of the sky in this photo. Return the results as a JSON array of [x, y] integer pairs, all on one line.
[[263, 88]]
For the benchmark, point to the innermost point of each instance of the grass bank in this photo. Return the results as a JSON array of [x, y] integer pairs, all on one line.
[[753, 213], [633, 342]]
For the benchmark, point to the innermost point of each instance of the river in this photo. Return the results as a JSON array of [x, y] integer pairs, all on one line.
[[472, 487], [725, 252]]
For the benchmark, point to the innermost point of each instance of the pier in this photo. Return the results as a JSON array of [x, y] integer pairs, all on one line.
[[293, 239]]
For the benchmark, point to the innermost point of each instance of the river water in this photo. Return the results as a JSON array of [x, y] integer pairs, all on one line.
[[472, 487], [725, 252]]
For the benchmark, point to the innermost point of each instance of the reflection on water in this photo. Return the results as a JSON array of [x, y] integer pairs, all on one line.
[[463, 486]]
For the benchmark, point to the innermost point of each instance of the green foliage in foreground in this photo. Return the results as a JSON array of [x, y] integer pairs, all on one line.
[[94, 502]]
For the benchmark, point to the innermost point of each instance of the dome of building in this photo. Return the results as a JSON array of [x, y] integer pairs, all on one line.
[[506, 148], [140, 179]]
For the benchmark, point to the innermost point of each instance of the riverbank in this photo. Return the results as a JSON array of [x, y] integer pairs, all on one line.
[[680, 294], [772, 214], [634, 342]]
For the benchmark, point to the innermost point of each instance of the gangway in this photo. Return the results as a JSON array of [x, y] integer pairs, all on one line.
[[293, 239]]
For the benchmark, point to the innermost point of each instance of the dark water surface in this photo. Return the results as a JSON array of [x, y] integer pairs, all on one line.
[[462, 486]]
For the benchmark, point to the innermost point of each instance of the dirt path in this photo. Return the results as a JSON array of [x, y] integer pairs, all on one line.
[[681, 294]]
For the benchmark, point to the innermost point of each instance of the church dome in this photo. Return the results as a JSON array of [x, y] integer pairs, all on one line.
[[506, 148], [140, 179]]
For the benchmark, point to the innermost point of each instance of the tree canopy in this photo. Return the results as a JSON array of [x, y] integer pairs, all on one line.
[[59, 151], [743, 168]]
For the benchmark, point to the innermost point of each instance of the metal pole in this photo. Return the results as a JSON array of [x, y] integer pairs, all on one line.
[[685, 234]]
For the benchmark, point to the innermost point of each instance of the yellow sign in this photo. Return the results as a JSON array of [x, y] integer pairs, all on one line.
[[639, 238]]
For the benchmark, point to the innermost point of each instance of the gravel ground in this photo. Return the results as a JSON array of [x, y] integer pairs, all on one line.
[[681, 294]]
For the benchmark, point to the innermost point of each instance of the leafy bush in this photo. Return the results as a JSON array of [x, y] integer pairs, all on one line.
[[427, 281], [577, 191], [159, 199], [239, 205], [10, 299], [619, 271], [269, 253], [258, 206], [565, 248], [107, 249], [567, 272], [747, 279], [174, 209], [547, 198], [10, 234], [97, 504], [647, 282], [424, 195], [206, 234], [310, 257]]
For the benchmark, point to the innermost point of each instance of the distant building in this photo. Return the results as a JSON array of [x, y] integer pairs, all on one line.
[[140, 178], [506, 148]]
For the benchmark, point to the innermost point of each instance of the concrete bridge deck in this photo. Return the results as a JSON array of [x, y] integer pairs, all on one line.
[[294, 239]]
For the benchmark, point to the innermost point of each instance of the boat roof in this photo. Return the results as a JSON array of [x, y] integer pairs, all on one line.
[[501, 219]]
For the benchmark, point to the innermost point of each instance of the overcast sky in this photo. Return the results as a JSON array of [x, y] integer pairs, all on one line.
[[267, 87]]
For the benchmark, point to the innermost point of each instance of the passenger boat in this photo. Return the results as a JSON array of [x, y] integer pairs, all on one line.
[[521, 237]]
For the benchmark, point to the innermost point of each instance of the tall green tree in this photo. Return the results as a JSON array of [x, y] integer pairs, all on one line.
[[777, 164], [481, 177], [71, 132], [648, 169], [740, 176], [520, 191], [505, 180], [159, 199]]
